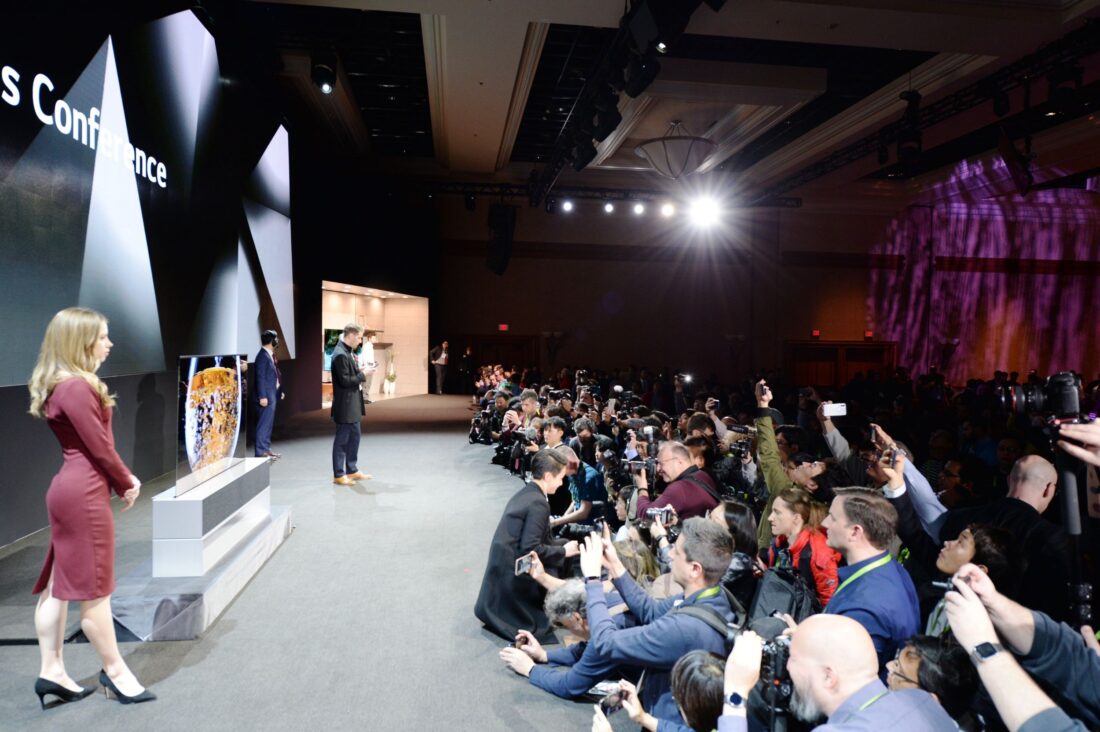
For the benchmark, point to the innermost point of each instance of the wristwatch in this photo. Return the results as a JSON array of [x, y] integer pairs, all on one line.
[[735, 700], [985, 651], [592, 579]]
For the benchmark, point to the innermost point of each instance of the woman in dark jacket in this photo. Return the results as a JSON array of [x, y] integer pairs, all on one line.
[[508, 603]]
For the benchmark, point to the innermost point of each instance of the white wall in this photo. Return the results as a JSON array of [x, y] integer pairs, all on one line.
[[406, 327], [340, 308]]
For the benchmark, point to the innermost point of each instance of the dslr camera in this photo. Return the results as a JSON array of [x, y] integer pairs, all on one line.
[[665, 514], [775, 686], [1056, 398]]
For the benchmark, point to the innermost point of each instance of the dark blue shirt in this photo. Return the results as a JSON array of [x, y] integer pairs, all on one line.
[[883, 601], [587, 485], [584, 667], [659, 640]]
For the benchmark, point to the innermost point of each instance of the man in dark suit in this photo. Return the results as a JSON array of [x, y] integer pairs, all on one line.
[[439, 359], [269, 390], [347, 406]]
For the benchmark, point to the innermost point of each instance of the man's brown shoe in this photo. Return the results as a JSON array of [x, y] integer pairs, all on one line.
[[359, 476], [344, 480]]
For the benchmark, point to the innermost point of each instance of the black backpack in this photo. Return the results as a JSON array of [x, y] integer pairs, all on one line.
[[782, 591]]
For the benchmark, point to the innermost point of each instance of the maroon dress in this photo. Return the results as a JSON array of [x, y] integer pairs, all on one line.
[[82, 526]]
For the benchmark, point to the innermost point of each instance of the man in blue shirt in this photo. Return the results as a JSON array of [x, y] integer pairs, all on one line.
[[874, 590], [699, 558]]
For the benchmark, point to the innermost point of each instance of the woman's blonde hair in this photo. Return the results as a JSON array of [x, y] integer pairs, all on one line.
[[67, 351], [638, 560]]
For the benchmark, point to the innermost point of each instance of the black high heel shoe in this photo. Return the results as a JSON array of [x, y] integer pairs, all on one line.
[[42, 687], [105, 680]]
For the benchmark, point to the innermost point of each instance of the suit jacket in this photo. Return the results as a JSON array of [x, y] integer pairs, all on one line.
[[436, 353], [508, 603], [267, 380], [347, 400]]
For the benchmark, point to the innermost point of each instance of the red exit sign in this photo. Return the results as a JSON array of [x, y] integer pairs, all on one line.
[[502, 327]]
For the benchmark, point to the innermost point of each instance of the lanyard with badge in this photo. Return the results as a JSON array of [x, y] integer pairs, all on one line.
[[862, 571]]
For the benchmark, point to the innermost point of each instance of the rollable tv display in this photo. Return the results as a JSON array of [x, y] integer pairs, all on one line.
[[212, 417]]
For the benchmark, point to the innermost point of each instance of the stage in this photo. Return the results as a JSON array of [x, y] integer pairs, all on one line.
[[362, 619]]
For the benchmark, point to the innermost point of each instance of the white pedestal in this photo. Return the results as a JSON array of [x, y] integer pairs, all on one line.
[[193, 532], [207, 545]]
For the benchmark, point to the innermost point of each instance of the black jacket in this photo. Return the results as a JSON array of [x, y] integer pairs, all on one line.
[[508, 603], [347, 400], [1044, 585]]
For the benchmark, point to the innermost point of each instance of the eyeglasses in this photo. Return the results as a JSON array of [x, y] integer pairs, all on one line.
[[897, 672]]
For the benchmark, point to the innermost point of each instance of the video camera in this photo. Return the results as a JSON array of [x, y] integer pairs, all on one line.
[[480, 427]]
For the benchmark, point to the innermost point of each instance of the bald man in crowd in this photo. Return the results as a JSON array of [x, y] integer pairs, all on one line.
[[1031, 489], [834, 669]]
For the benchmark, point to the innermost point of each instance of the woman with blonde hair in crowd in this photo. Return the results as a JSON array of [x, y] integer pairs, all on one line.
[[76, 405]]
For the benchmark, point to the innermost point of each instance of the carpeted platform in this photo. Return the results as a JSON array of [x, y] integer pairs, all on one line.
[[362, 620]]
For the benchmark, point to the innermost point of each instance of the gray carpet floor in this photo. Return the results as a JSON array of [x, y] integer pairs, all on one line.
[[362, 620]]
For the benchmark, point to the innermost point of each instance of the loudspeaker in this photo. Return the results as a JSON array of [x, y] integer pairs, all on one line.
[[502, 227]]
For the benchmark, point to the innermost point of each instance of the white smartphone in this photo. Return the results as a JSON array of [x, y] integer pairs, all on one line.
[[835, 410]]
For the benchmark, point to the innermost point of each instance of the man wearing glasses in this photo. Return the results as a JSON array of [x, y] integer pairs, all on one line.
[[941, 667], [690, 491]]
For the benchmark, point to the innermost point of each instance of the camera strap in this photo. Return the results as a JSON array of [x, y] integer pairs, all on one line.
[[712, 617], [712, 493]]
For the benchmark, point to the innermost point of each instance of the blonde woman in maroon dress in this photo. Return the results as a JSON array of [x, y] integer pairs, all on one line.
[[66, 392]]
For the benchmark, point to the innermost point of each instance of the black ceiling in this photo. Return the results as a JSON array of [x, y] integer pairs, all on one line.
[[381, 55], [571, 52]]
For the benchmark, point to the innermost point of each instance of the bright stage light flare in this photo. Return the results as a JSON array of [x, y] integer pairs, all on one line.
[[705, 212], [609, 207], [567, 206], [667, 210], [639, 208]]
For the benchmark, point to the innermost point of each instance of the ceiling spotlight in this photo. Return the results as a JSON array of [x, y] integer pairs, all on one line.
[[609, 207], [471, 202], [704, 212], [662, 47], [667, 210], [323, 71], [639, 209], [567, 206], [551, 205]]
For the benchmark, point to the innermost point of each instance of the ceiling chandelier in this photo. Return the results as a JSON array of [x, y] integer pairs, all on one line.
[[677, 154]]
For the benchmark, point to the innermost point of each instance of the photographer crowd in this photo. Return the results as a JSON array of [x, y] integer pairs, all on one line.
[[895, 553]]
